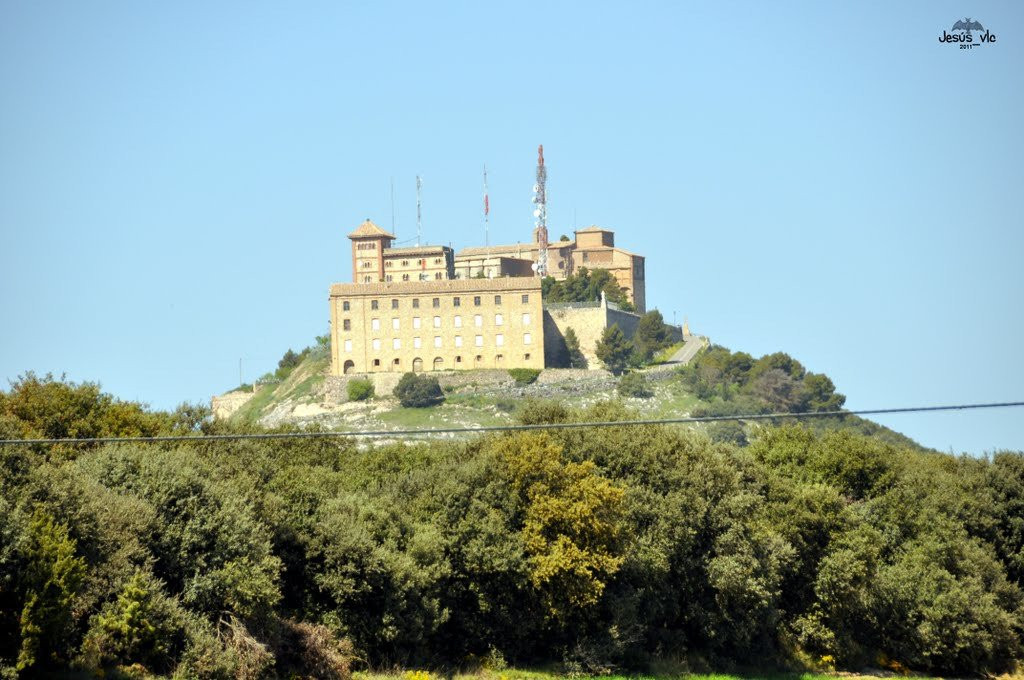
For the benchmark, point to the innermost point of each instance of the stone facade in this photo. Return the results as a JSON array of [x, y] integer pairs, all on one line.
[[375, 261], [436, 325], [593, 248], [589, 321], [486, 266]]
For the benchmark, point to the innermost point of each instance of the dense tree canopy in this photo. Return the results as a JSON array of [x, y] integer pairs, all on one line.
[[600, 548], [585, 286]]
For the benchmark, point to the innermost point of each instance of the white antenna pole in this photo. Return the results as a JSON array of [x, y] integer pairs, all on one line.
[[540, 199], [419, 213]]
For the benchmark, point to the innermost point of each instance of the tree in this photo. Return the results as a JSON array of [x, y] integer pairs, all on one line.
[[585, 286], [571, 528], [572, 347], [418, 391], [651, 334], [53, 578], [613, 349], [142, 626]]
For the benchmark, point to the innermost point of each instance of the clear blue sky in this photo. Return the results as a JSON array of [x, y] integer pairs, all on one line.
[[177, 178]]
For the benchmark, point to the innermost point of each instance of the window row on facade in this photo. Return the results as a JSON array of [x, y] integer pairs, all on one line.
[[438, 364], [435, 302], [417, 322], [377, 344]]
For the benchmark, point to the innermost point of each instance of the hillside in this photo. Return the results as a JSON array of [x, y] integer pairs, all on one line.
[[307, 396]]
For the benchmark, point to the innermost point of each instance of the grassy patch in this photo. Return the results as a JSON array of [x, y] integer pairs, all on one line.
[[663, 355], [251, 410]]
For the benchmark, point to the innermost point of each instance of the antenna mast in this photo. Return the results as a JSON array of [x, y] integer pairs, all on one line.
[[419, 211], [541, 213]]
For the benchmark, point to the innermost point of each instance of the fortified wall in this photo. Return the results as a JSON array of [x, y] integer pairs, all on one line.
[[589, 321]]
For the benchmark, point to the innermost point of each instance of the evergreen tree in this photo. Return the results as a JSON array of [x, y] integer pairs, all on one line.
[[651, 335], [572, 347], [613, 349]]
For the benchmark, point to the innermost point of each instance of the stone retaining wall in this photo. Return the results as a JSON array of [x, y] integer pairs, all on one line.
[[226, 404]]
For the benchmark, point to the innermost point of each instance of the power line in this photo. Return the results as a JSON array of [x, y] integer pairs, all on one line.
[[508, 428]]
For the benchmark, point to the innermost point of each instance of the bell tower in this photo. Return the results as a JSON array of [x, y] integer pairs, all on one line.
[[368, 244]]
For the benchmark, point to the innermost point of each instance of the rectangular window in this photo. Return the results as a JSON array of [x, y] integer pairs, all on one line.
[[388, 277], [437, 341], [376, 343], [526, 319], [476, 300], [405, 277], [396, 343], [415, 322], [416, 303], [479, 341], [346, 325], [376, 362], [458, 321], [374, 324], [345, 306], [395, 324], [526, 356], [437, 302], [497, 299], [437, 322], [394, 304], [499, 340], [456, 302], [499, 320], [416, 343], [458, 341], [373, 304], [527, 339], [348, 345], [478, 320], [526, 299]]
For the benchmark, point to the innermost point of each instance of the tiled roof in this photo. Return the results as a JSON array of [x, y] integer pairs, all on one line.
[[368, 228], [499, 250], [414, 250]]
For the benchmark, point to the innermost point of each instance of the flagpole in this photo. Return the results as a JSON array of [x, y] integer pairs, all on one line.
[[487, 210]]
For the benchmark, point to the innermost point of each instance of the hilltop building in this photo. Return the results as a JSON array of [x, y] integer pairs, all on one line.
[[593, 248], [428, 309], [374, 260]]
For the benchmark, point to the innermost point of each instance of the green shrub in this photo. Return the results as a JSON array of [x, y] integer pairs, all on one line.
[[524, 376], [418, 391], [635, 385], [360, 389]]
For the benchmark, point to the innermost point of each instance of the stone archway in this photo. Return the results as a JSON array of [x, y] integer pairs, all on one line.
[[349, 367], [417, 365], [438, 364]]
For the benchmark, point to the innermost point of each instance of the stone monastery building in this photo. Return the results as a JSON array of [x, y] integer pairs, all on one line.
[[428, 309]]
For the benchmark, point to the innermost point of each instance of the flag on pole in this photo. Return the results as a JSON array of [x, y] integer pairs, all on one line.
[[487, 201]]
